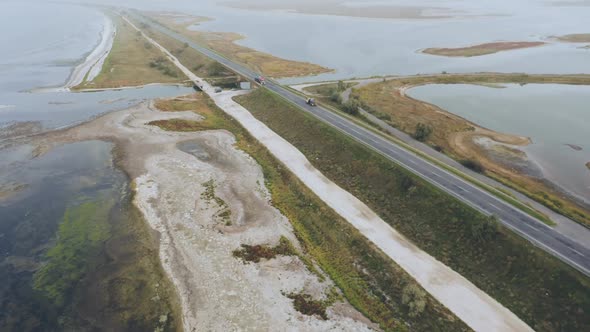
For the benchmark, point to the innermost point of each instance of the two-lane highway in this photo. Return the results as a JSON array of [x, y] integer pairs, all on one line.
[[541, 235]]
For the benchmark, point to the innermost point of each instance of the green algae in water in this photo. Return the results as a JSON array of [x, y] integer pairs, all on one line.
[[77, 255], [103, 272], [81, 234], [105, 269]]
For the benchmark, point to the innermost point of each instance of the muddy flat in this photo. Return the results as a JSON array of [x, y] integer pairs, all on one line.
[[481, 49]]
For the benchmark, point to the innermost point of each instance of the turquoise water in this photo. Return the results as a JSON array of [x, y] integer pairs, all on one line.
[[554, 116]]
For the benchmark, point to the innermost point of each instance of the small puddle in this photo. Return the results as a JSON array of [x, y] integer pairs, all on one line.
[[194, 148]]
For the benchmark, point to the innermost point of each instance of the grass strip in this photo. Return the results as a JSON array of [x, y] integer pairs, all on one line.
[[541, 290]]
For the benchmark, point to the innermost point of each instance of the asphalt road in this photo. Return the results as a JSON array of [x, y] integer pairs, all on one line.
[[541, 235]]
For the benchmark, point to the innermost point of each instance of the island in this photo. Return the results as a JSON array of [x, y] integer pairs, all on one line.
[[481, 49], [574, 38]]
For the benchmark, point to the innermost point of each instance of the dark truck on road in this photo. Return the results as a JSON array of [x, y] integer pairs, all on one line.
[[259, 80]]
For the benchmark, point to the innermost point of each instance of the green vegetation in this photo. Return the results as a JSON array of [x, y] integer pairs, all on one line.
[[351, 106], [103, 273], [473, 165], [217, 69], [328, 88], [330, 94], [368, 279], [163, 65], [200, 65], [544, 292], [422, 132], [415, 299], [132, 62], [209, 195], [129, 285], [336, 97], [178, 125], [82, 232], [255, 253]]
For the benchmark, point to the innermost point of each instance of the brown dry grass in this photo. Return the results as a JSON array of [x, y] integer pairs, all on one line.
[[454, 135], [128, 63], [481, 49], [197, 62], [224, 43], [198, 103]]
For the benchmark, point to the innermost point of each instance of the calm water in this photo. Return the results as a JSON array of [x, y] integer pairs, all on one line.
[[361, 47], [39, 49], [65, 177], [551, 115], [358, 47], [34, 60], [63, 108]]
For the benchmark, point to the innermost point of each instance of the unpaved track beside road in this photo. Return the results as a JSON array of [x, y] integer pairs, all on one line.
[[478, 310]]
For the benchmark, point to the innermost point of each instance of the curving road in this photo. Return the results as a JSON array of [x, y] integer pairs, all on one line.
[[539, 234]]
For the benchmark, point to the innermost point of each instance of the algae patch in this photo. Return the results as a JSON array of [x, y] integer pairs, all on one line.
[[81, 233], [209, 195]]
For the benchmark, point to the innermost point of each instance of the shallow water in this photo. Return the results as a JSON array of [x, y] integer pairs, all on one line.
[[32, 60], [361, 47], [58, 109], [122, 273], [194, 148], [66, 176], [552, 115]]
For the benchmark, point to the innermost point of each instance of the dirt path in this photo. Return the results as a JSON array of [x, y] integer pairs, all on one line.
[[473, 306]]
